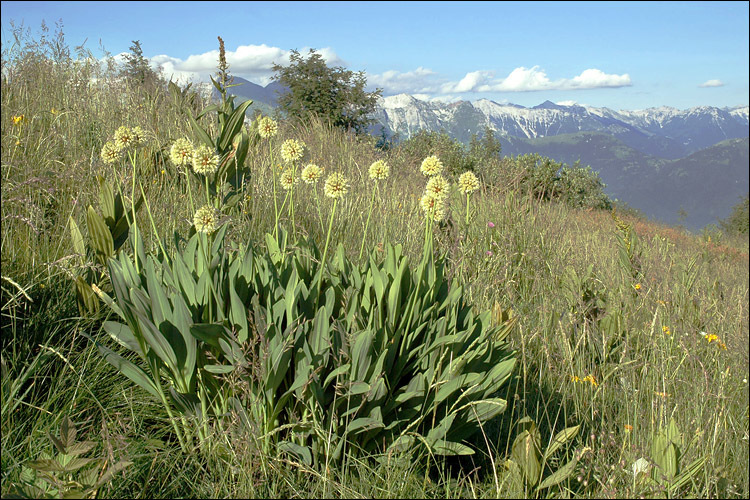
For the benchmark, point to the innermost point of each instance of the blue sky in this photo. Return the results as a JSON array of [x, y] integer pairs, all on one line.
[[622, 55]]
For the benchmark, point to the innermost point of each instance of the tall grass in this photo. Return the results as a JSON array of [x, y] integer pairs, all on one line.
[[616, 352]]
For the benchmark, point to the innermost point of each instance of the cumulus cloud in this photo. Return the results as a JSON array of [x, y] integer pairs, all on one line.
[[532, 79], [521, 79], [252, 62], [411, 82], [712, 83]]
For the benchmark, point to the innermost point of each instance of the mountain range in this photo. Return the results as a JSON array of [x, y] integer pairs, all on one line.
[[677, 166]]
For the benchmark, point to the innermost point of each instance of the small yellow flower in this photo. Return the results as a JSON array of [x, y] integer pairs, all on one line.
[[591, 380], [311, 173], [54, 111], [575, 378], [110, 153], [637, 286], [18, 120], [628, 428], [336, 185], [665, 330], [205, 161], [468, 182], [379, 170], [292, 150], [206, 219], [663, 395], [181, 152], [712, 337], [287, 179], [438, 187], [267, 127], [431, 166]]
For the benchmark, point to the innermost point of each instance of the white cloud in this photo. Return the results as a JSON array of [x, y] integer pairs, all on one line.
[[412, 82], [712, 83], [252, 62], [469, 83], [532, 79], [566, 103]]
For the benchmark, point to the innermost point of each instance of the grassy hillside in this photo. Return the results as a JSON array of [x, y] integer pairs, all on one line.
[[705, 185], [630, 338]]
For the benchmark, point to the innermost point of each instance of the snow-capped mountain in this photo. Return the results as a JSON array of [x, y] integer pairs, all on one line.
[[664, 131]]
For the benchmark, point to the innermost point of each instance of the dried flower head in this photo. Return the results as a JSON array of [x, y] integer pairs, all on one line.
[[124, 138], [110, 153], [267, 127], [438, 187], [433, 207], [431, 166], [311, 173], [287, 179], [206, 219], [336, 185], [205, 161], [379, 170], [292, 150], [181, 152], [468, 182]]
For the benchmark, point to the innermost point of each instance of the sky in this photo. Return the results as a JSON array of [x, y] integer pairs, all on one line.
[[620, 55]]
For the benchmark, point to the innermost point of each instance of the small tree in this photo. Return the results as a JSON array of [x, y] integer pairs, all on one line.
[[335, 95], [136, 68], [738, 220]]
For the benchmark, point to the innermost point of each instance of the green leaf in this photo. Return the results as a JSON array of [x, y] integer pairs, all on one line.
[[200, 133], [560, 439], [127, 368], [301, 452], [559, 475], [77, 238], [123, 335], [100, 236], [525, 452], [442, 447]]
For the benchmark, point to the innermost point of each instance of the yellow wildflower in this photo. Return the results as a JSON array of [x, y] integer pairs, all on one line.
[[379, 170], [267, 127], [206, 219], [18, 120], [590, 379], [665, 330], [637, 286], [431, 166], [181, 152], [336, 185], [292, 150], [438, 187], [311, 173], [468, 182], [205, 161]]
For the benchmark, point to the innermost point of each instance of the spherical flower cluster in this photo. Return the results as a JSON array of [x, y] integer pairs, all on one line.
[[336, 185], [433, 206], [181, 152], [438, 187], [205, 161], [124, 138], [206, 219], [379, 170], [468, 182], [267, 127], [287, 179], [431, 166], [311, 173], [110, 153], [139, 136], [292, 150]]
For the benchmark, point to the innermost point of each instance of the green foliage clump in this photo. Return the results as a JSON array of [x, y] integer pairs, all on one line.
[[335, 95], [738, 221]]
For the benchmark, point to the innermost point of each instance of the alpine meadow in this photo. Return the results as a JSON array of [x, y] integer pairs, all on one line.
[[204, 299]]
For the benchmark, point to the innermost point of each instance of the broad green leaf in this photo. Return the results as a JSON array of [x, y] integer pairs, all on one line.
[[77, 238], [100, 236], [559, 475], [442, 447], [123, 335], [128, 369], [560, 439]]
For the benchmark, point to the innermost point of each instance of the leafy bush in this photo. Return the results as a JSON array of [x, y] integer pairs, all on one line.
[[738, 221]]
